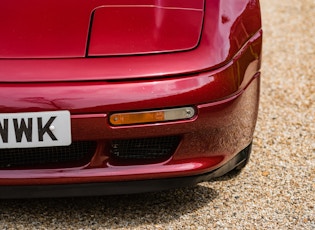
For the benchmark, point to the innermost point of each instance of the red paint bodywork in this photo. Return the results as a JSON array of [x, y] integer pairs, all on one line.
[[53, 57]]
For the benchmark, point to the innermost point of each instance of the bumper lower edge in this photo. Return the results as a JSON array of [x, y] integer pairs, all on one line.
[[121, 187]]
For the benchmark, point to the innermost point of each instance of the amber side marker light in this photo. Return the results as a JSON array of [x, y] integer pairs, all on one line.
[[152, 116]]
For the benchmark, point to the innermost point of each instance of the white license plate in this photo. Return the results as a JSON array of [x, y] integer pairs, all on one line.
[[40, 129]]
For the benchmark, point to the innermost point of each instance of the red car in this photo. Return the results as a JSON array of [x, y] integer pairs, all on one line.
[[125, 96]]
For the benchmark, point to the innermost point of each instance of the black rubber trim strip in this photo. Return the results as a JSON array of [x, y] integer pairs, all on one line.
[[116, 188]]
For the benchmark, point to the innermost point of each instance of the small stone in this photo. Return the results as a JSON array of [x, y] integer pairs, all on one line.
[[265, 173]]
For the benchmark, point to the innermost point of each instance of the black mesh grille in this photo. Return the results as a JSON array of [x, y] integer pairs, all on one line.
[[145, 149], [26, 157]]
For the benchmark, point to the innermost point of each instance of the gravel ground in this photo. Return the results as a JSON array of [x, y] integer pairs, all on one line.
[[275, 191]]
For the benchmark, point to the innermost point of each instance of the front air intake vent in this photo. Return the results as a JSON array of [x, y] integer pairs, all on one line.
[[53, 156], [157, 148]]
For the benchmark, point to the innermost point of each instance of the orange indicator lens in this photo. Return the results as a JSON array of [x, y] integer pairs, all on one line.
[[152, 116]]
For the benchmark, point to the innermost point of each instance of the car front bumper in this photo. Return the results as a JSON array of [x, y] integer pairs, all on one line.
[[215, 135]]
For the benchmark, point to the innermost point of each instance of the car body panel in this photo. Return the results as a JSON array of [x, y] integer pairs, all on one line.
[[227, 26], [127, 30], [42, 29], [109, 96], [60, 29]]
